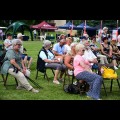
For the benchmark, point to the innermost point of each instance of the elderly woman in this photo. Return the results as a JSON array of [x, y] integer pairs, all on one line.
[[96, 50], [107, 50], [82, 72], [47, 59], [13, 60]]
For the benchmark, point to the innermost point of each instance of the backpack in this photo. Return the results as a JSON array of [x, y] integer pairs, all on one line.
[[77, 89]]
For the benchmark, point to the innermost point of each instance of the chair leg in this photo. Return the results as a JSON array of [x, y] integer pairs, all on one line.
[[36, 75], [45, 75], [53, 72], [16, 82], [5, 80], [111, 85], [104, 88], [118, 84]]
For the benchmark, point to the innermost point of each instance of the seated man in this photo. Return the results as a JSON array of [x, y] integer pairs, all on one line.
[[59, 49], [88, 54], [46, 58]]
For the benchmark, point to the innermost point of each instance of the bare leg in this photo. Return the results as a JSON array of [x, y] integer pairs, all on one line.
[[29, 62], [25, 61], [56, 74]]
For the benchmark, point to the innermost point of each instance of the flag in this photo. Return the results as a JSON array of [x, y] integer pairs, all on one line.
[[85, 28], [117, 29], [71, 29]]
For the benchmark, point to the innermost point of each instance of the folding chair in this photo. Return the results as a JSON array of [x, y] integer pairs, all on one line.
[[111, 80], [45, 73]]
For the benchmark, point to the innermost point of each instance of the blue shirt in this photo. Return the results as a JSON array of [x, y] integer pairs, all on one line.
[[59, 49]]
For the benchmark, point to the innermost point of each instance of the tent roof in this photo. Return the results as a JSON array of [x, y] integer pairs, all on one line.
[[43, 25], [68, 25], [82, 25], [17, 25]]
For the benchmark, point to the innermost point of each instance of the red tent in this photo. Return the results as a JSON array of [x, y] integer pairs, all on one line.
[[44, 25]]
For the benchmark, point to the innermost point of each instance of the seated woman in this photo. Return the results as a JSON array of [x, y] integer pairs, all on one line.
[[106, 50], [68, 60], [96, 50], [13, 60], [47, 58], [82, 71], [115, 50]]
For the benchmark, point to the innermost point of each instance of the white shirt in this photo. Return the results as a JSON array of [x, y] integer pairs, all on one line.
[[89, 55], [8, 42], [34, 31], [118, 44], [67, 48]]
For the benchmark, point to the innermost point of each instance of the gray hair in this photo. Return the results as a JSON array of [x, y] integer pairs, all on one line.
[[78, 47], [16, 41], [46, 43], [73, 44], [105, 28]]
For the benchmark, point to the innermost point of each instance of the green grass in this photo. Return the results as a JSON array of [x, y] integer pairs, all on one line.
[[50, 91]]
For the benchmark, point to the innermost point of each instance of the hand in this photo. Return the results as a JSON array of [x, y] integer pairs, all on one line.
[[24, 71]]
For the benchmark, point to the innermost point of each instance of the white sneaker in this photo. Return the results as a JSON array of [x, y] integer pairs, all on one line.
[[115, 68], [56, 82], [70, 72], [34, 90]]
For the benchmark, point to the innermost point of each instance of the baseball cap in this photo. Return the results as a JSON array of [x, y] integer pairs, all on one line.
[[19, 35]]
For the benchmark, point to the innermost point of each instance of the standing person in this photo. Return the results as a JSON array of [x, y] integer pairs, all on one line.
[[35, 33], [13, 60], [8, 42], [25, 57], [82, 72]]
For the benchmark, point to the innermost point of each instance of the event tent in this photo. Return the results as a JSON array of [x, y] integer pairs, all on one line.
[[44, 25], [82, 26], [19, 26], [68, 26]]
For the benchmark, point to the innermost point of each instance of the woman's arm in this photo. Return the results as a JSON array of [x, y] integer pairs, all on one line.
[[102, 51], [12, 61], [67, 61], [110, 52]]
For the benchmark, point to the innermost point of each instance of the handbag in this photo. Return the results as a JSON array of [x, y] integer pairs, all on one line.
[[108, 73]]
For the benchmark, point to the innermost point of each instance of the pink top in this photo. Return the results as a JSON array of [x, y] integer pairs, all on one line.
[[76, 63]]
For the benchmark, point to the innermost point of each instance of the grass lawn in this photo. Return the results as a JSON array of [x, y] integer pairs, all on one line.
[[50, 91]]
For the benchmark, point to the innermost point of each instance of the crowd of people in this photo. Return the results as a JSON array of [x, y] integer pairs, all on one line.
[[77, 58]]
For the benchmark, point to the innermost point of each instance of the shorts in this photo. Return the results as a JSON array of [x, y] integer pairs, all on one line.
[[28, 57]]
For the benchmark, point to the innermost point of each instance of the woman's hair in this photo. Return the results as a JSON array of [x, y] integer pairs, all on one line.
[[46, 43], [78, 47], [73, 44], [16, 41]]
